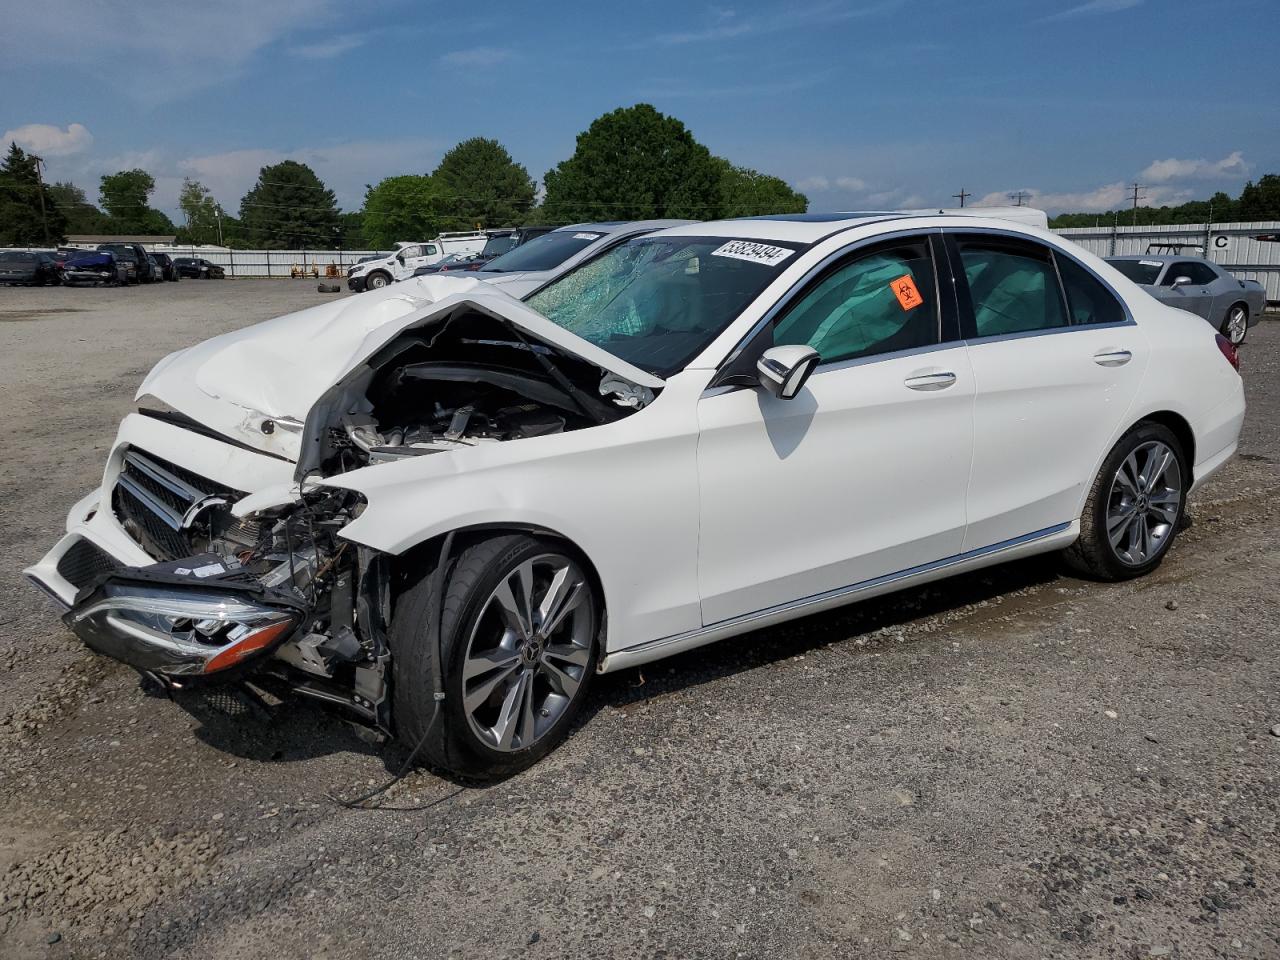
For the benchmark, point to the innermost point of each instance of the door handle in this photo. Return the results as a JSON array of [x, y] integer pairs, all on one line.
[[931, 381], [1112, 358]]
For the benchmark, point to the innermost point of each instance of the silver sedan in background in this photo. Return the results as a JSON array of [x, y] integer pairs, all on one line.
[[1198, 286]]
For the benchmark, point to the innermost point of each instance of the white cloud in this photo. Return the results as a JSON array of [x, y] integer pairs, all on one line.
[[814, 183], [47, 140], [477, 57], [150, 54], [852, 184], [328, 49], [1111, 196], [1162, 171], [793, 17], [1095, 6]]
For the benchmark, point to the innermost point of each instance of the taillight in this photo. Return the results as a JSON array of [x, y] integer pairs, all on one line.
[[1228, 351]]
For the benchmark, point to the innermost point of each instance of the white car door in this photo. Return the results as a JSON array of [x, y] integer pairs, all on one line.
[[1056, 365], [863, 474]]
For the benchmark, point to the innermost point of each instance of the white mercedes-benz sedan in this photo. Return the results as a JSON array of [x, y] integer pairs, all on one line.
[[445, 510]]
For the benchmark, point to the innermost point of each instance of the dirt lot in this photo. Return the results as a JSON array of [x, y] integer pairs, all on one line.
[[1013, 764]]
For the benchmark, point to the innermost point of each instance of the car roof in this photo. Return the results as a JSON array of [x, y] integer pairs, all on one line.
[[812, 227], [1158, 257], [622, 226]]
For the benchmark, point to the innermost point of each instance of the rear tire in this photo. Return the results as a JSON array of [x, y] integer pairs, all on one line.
[[516, 672], [1235, 325], [1135, 506]]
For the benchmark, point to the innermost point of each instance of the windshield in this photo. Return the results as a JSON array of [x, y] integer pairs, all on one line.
[[120, 250], [657, 302], [495, 246], [1139, 271], [545, 252]]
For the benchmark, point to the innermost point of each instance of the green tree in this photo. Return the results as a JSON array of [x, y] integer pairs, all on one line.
[[126, 197], [633, 164], [22, 222], [748, 193], [1261, 200], [407, 207], [82, 216], [202, 213], [482, 185], [290, 208]]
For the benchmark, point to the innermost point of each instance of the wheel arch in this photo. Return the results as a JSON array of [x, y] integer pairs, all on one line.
[[421, 558], [1180, 428]]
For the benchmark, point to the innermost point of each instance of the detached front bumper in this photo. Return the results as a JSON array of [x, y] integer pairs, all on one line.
[[165, 624]]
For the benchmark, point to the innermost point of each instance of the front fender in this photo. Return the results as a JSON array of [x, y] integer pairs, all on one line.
[[624, 493]]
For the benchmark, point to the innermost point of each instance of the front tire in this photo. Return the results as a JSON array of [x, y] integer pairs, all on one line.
[[1235, 325], [1135, 506], [520, 629], [376, 281]]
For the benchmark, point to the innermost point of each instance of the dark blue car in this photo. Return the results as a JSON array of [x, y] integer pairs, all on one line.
[[98, 268]]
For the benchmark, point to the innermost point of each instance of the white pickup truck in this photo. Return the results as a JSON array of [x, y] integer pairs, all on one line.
[[408, 257]]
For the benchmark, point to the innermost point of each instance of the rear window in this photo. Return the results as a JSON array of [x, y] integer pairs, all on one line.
[[545, 252], [1139, 271]]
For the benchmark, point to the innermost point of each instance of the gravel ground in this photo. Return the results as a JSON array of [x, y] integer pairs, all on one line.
[[1010, 764]]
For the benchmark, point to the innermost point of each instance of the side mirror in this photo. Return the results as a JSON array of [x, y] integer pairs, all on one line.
[[1181, 281], [782, 371]]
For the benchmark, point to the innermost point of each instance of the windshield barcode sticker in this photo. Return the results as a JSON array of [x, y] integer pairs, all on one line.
[[770, 256], [1151, 263], [587, 236]]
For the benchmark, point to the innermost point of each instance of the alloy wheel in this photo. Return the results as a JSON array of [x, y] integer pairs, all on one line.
[[528, 652], [1144, 503], [1237, 325]]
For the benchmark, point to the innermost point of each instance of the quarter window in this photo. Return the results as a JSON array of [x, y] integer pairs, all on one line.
[[1088, 301], [1013, 287], [881, 301]]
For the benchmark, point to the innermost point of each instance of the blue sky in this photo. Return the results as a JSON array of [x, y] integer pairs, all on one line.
[[859, 103]]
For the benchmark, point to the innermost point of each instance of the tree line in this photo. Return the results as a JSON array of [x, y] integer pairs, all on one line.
[[1257, 201], [630, 164]]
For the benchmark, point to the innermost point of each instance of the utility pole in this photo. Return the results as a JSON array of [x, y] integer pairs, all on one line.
[[40, 180], [1019, 198], [218, 214], [962, 196], [1136, 197]]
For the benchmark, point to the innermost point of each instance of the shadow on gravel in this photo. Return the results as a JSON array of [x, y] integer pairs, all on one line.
[[291, 728]]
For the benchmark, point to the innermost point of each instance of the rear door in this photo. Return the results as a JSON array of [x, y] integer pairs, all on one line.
[[1057, 361]]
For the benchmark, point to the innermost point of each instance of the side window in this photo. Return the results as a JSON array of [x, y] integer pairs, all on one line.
[[1012, 285], [1201, 273], [1088, 301], [408, 253], [1176, 270], [882, 300], [430, 250]]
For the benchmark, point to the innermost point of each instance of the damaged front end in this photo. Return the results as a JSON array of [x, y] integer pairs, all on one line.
[[279, 594]]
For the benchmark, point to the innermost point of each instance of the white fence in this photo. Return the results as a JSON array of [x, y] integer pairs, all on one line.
[[1235, 246], [274, 263]]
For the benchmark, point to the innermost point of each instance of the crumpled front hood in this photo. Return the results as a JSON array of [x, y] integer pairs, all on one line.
[[256, 385]]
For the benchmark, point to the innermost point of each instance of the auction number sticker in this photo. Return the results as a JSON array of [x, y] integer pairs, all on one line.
[[1151, 263], [764, 253], [587, 236]]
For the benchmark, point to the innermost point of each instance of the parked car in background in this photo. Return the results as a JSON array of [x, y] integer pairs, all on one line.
[[1198, 286], [134, 258], [63, 255], [168, 271], [408, 257], [544, 258], [99, 268], [453, 263], [197, 268], [154, 273], [28, 269]]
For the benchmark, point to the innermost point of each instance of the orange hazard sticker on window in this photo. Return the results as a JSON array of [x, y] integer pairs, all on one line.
[[904, 288]]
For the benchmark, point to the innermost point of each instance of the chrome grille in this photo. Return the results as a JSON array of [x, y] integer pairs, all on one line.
[[161, 504]]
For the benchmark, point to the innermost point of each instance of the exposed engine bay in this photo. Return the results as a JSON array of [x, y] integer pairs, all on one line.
[[280, 593], [473, 379]]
